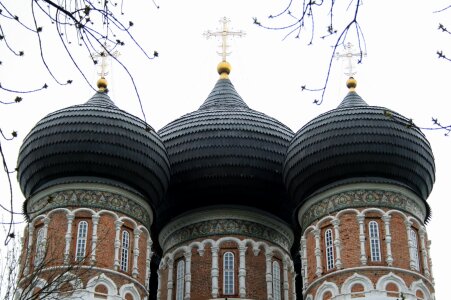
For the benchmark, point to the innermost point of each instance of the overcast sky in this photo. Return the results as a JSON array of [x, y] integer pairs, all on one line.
[[400, 72]]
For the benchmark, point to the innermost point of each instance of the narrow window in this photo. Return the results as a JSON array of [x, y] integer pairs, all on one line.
[[40, 247], [329, 249], [276, 281], [82, 234], [180, 280], [414, 249], [124, 250], [229, 276], [375, 247]]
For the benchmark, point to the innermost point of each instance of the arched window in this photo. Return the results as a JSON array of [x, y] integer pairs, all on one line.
[[329, 249], [229, 273], [414, 249], [180, 280], [277, 295], [82, 234], [124, 250], [375, 245], [40, 247]]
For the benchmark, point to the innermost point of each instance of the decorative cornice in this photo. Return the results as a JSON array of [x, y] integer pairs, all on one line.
[[360, 196], [226, 221], [91, 196], [369, 269]]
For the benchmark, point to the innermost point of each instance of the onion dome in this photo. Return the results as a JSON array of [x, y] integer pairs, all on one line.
[[357, 142], [94, 142], [224, 153]]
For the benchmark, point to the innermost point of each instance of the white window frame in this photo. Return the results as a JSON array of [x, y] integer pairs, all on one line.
[[375, 242], [125, 245], [82, 237], [228, 270], [180, 291], [414, 249], [329, 243], [40, 247], [276, 281]]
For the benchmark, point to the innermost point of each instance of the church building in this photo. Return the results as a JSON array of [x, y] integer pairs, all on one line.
[[226, 203]]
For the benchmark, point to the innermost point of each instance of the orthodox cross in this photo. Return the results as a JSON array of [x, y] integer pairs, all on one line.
[[224, 34], [104, 57], [349, 58]]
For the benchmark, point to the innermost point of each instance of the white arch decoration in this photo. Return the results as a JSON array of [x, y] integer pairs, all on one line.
[[131, 289], [391, 278], [325, 287], [346, 288], [106, 281], [419, 285]]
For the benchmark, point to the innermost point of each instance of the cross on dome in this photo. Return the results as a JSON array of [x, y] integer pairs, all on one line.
[[224, 34], [104, 56], [349, 59]]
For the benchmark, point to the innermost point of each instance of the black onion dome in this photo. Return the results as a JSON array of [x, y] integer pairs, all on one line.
[[357, 142], [94, 142], [225, 153]]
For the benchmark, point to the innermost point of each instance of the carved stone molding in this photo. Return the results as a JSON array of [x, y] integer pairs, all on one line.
[[91, 199], [319, 207], [226, 222]]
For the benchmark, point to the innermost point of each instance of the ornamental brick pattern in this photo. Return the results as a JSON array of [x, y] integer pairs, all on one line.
[[400, 263], [98, 270], [253, 259]]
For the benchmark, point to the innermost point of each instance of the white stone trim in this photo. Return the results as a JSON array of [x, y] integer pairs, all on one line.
[[391, 278], [117, 243], [367, 268], [268, 260], [170, 278], [419, 285], [104, 280], [304, 262], [389, 258], [242, 271], [362, 238], [214, 271], [129, 288], [337, 243], [136, 234], [286, 285], [149, 254], [424, 252], [159, 285], [326, 287], [187, 256], [68, 237], [319, 267], [347, 285], [95, 222]]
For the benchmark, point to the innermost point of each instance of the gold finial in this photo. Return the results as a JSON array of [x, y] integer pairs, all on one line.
[[351, 83], [224, 67], [102, 84]]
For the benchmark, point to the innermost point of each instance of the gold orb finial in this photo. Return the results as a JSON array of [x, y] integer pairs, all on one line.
[[224, 69], [102, 84], [351, 83]]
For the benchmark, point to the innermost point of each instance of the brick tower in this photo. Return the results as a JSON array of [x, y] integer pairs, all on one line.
[[91, 174], [222, 234], [360, 176]]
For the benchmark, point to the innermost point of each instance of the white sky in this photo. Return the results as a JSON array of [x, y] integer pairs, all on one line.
[[401, 72]]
